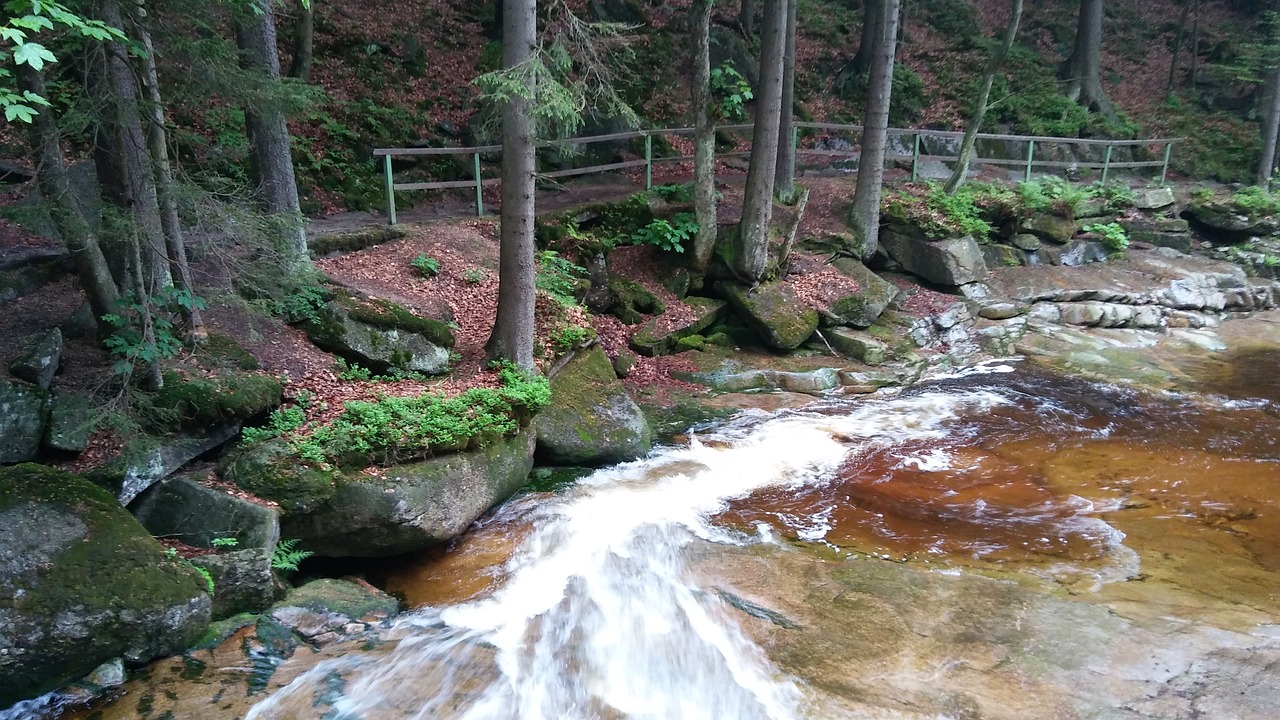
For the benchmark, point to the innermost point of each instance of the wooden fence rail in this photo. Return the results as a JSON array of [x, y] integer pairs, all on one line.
[[1028, 163]]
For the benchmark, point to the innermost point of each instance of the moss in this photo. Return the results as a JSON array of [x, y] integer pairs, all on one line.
[[220, 351], [633, 301], [600, 224], [219, 631], [343, 597], [692, 342], [200, 401], [272, 471], [391, 316], [323, 245]]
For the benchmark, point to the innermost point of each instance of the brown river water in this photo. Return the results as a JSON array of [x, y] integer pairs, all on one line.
[[1010, 544]]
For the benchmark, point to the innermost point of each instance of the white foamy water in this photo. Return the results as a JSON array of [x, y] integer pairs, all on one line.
[[600, 616]]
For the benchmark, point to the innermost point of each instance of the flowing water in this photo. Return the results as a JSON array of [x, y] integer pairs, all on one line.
[[717, 579]]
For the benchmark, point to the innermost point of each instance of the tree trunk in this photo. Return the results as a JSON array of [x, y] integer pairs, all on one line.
[[270, 164], [1195, 48], [875, 131], [783, 180], [1177, 50], [166, 186], [1081, 73], [91, 265], [1270, 130], [751, 249], [975, 122], [872, 30], [139, 191], [304, 30], [747, 18], [513, 328], [704, 140]]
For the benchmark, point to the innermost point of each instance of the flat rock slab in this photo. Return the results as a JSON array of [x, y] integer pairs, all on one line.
[[773, 311]]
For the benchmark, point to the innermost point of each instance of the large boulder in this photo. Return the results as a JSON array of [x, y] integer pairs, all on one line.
[[863, 307], [1227, 222], [381, 336], [183, 509], [773, 311], [70, 423], [147, 461], [945, 262], [660, 335], [591, 419], [82, 582], [37, 360], [1049, 226], [409, 507], [22, 420], [272, 471], [242, 580]]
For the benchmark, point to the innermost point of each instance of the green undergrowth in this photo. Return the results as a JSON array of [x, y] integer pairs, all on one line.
[[401, 429]]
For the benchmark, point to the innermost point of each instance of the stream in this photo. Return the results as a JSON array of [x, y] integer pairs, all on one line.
[[997, 543]]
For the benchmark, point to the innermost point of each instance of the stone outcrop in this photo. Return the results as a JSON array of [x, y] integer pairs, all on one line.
[[37, 360], [82, 582], [409, 507], [243, 581], [591, 420], [151, 460], [22, 421], [945, 262], [381, 336], [773, 312], [652, 340], [874, 295]]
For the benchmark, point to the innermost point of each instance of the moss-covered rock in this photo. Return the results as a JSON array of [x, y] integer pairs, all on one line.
[[186, 510], [593, 227], [954, 261], [591, 419], [197, 402], [343, 597], [82, 582], [272, 471], [773, 311], [70, 423], [22, 420], [146, 461], [334, 243], [38, 358], [649, 341], [631, 301], [863, 307], [1049, 226], [409, 507], [381, 335]]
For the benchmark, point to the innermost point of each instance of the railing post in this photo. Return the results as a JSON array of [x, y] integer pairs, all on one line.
[[648, 162], [475, 157], [915, 158], [1106, 163], [795, 145], [1031, 153], [1164, 169], [391, 190]]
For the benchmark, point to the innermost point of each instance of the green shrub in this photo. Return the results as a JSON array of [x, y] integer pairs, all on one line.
[[1117, 195], [929, 208], [1256, 202], [426, 266], [1052, 194], [559, 278], [675, 192], [1112, 235], [286, 556], [474, 276], [668, 235], [570, 336], [283, 420], [730, 92]]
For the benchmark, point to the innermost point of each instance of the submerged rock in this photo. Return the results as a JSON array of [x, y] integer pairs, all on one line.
[[773, 311], [82, 582], [413, 506], [591, 420]]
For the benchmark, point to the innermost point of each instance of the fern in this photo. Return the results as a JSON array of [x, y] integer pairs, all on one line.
[[286, 555]]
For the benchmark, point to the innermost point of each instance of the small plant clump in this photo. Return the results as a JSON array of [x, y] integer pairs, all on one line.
[[1256, 202], [668, 235], [474, 276], [1112, 235], [287, 556], [428, 267], [559, 278], [674, 192]]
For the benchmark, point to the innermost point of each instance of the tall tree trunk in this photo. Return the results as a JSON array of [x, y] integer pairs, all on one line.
[[865, 212], [166, 186], [704, 140], [139, 191], [513, 328], [1177, 50], [783, 180], [747, 18], [51, 175], [1195, 48], [304, 31], [975, 121], [1270, 130], [1081, 73], [872, 30], [751, 249], [270, 164]]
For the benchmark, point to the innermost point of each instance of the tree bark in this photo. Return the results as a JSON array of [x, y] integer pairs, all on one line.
[[975, 121], [1195, 48], [513, 328], [51, 175], [1081, 73], [1270, 131], [875, 131], [751, 249], [783, 180], [747, 18], [166, 186], [304, 30], [139, 192], [704, 140], [872, 29], [1177, 50], [270, 164]]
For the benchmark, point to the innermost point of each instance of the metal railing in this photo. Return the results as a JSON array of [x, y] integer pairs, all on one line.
[[1028, 163]]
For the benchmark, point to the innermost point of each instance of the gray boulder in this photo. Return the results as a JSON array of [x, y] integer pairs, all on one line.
[[182, 508], [654, 339], [148, 461], [242, 580], [410, 507], [591, 420], [945, 262], [874, 295], [381, 336], [1153, 198], [1048, 226], [69, 423], [22, 420], [773, 312], [860, 346], [82, 582], [37, 361]]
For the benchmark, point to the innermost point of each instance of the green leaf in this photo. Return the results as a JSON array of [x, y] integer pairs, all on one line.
[[19, 112], [13, 35], [33, 54], [32, 22], [34, 98]]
